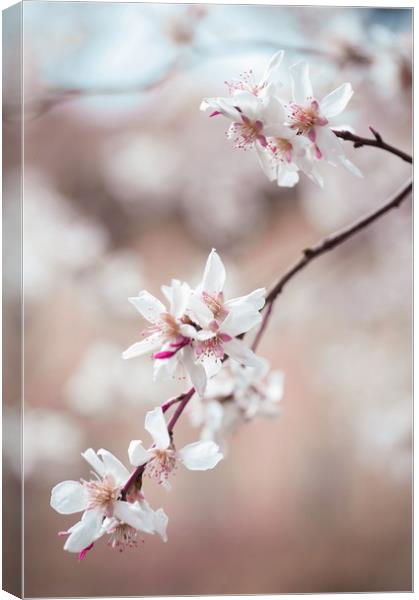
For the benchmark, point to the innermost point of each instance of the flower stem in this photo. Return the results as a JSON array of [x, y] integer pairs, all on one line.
[[377, 141], [309, 254], [184, 401]]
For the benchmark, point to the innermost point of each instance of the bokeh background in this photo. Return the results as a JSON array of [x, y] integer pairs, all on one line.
[[127, 185]]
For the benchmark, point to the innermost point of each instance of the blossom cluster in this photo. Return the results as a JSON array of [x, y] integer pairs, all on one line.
[[282, 119], [236, 395], [190, 338]]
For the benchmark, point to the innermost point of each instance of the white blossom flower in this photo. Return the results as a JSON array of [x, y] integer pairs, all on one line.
[[98, 499], [162, 458], [220, 321], [247, 83], [170, 332], [316, 118], [122, 535], [287, 152], [249, 115], [285, 143], [236, 395]]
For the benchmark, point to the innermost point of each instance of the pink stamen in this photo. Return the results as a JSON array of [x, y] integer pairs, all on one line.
[[318, 152], [215, 113]]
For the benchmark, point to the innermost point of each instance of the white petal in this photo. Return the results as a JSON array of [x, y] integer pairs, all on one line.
[[200, 456], [180, 297], [148, 344], [335, 102], [255, 300], [155, 424], [69, 497], [167, 292], [195, 371], [134, 515], [240, 320], [205, 334], [160, 521], [266, 162], [94, 461], [330, 146], [214, 274], [199, 311], [85, 531], [273, 67], [138, 455], [300, 82], [350, 166], [114, 467], [149, 306], [187, 331], [222, 105], [238, 350], [287, 178], [275, 385]]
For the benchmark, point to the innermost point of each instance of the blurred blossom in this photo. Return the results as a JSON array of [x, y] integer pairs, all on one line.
[[103, 382], [385, 435], [240, 215], [141, 166], [57, 241], [51, 438], [116, 276], [382, 418]]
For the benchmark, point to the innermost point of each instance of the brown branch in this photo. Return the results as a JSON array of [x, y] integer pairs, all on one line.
[[309, 254], [377, 141]]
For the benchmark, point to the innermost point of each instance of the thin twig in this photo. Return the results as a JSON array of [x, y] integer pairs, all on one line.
[[309, 254], [179, 410], [377, 141]]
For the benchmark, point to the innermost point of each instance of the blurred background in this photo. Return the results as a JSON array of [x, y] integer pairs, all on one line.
[[127, 185]]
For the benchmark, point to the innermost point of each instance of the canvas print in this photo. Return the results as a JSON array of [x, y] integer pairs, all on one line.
[[207, 299]]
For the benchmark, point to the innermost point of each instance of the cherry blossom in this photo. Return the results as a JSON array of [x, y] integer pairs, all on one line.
[[170, 333], [100, 499], [220, 321], [287, 126], [163, 458], [236, 395], [246, 82], [316, 118], [249, 115], [287, 152]]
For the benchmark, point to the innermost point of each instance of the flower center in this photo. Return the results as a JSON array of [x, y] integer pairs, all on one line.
[[215, 304], [245, 83], [102, 494], [162, 463], [213, 347], [282, 149], [123, 536], [168, 325], [305, 118], [247, 133]]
